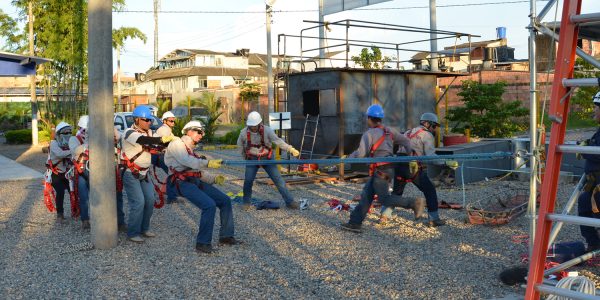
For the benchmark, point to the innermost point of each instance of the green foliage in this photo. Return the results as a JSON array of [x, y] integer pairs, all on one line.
[[163, 106], [581, 101], [179, 123], [119, 36], [14, 115], [250, 91], [485, 112], [231, 137], [371, 59], [15, 42], [213, 106], [20, 136]]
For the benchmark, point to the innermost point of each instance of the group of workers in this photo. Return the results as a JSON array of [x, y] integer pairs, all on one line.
[[140, 150]]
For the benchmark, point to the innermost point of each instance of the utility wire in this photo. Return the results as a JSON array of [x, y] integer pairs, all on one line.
[[316, 10]]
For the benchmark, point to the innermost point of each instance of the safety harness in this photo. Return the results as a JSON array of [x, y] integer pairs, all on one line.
[[412, 135], [590, 186], [50, 192], [386, 133], [265, 151], [130, 164], [185, 175]]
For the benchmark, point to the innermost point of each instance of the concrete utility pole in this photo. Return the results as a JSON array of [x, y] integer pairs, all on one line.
[[103, 204], [433, 35], [271, 93], [156, 8], [321, 35], [118, 74], [34, 117]]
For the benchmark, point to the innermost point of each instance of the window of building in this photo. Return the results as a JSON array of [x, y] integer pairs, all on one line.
[[202, 82], [310, 103]]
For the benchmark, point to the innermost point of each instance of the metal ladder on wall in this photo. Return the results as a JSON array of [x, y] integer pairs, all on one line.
[[311, 126], [562, 88]]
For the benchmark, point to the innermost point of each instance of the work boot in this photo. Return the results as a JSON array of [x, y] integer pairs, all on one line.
[[592, 247], [60, 218], [230, 241], [352, 227], [418, 208], [122, 228], [85, 224], [436, 223], [292, 205], [148, 234], [204, 248], [136, 239]]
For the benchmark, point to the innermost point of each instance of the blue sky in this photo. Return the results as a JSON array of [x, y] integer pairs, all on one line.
[[228, 32]]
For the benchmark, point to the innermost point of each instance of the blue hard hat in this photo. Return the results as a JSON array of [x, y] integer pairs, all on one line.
[[142, 112], [375, 111]]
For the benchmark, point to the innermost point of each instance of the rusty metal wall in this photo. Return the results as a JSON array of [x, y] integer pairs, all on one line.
[[404, 97]]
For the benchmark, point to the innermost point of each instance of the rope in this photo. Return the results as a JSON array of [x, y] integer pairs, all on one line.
[[370, 160], [579, 284]]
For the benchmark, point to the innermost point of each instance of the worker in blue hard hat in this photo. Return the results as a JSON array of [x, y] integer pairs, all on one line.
[[589, 200], [379, 141], [422, 140], [136, 144]]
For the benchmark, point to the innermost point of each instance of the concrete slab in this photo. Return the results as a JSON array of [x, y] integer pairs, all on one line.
[[12, 170]]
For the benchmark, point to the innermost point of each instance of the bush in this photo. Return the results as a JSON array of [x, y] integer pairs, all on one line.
[[231, 137], [21, 136]]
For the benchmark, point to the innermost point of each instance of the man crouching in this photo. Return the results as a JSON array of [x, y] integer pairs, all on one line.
[[197, 186]]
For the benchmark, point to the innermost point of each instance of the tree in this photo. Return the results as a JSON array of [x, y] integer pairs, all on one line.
[[581, 101], [213, 107], [371, 60], [485, 112], [8, 28], [249, 92]]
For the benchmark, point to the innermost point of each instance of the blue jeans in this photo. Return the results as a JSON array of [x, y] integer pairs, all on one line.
[[120, 212], [379, 185], [83, 189], [584, 209], [422, 182], [274, 174], [207, 198], [140, 196]]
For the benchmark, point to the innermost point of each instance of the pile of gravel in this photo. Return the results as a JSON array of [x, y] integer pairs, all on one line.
[[286, 254]]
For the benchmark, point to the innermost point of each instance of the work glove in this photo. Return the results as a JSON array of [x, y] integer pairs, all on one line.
[[166, 139], [220, 179], [413, 167], [582, 143], [215, 163], [344, 156], [294, 152], [452, 164]]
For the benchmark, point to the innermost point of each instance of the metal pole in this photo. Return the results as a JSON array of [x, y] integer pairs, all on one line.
[[433, 35], [34, 119], [103, 204], [566, 210], [347, 45], [321, 35], [532, 128], [156, 7], [269, 62]]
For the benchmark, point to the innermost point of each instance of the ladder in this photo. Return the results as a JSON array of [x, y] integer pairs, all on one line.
[[311, 126], [562, 88]]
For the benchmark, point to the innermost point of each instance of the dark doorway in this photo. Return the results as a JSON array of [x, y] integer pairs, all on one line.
[[310, 101]]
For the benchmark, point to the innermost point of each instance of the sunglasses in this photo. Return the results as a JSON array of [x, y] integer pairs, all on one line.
[[66, 133], [170, 121], [146, 120]]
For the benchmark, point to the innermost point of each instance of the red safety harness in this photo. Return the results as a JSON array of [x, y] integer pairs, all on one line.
[[184, 175], [386, 133], [411, 135], [50, 192], [130, 164], [262, 146]]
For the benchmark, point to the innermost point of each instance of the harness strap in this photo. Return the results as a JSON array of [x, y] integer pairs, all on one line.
[[261, 131], [386, 133]]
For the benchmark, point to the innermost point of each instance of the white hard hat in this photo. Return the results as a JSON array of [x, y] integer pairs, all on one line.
[[83, 122], [61, 126], [596, 99], [168, 115], [192, 125], [253, 119]]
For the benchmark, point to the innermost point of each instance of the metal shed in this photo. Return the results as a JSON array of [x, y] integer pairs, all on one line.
[[341, 96]]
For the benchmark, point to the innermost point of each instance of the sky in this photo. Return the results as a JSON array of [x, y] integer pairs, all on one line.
[[230, 31]]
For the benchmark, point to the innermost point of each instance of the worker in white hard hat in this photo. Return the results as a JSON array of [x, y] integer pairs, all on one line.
[[255, 143], [192, 181], [158, 159], [136, 144], [422, 140], [58, 163], [589, 200], [78, 145]]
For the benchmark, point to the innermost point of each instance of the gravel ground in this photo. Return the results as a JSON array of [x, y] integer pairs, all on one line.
[[287, 254]]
